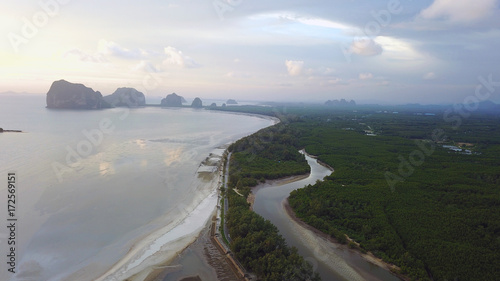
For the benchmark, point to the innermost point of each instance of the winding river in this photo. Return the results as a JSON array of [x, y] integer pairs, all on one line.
[[332, 262]]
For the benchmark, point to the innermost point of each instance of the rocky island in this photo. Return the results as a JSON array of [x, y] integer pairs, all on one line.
[[197, 103], [65, 95], [172, 100], [126, 97]]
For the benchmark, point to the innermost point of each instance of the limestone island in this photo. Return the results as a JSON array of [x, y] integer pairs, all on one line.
[[197, 103], [126, 97], [172, 100], [65, 95]]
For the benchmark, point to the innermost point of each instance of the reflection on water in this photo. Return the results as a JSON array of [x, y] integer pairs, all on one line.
[[126, 187]]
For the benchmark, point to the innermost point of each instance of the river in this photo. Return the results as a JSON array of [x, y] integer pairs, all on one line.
[[332, 261]]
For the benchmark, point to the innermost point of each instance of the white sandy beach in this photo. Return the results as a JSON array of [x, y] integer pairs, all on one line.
[[162, 245]]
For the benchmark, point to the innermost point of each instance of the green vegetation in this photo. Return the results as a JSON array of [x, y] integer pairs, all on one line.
[[442, 221], [268, 154], [258, 246], [256, 243], [439, 221]]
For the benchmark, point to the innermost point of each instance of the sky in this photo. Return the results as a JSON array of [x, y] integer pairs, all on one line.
[[372, 51]]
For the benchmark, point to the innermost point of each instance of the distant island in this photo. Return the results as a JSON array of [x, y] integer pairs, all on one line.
[[10, 131], [65, 95], [231, 101], [197, 103], [172, 100], [127, 97]]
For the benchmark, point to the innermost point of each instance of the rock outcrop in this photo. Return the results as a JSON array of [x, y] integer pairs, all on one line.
[[63, 94], [127, 97], [197, 103], [172, 100]]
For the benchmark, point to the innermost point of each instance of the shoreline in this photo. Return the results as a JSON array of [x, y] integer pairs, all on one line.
[[152, 272], [276, 120], [161, 247]]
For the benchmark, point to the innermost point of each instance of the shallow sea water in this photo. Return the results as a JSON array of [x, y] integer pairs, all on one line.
[[93, 183]]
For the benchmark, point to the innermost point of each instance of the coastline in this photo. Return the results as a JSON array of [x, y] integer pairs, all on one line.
[[162, 247], [153, 254], [276, 120], [168, 253]]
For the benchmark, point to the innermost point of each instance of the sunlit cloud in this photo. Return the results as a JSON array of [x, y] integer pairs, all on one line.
[[176, 57], [146, 66], [294, 67], [111, 48], [365, 47], [398, 49], [83, 56], [365, 76]]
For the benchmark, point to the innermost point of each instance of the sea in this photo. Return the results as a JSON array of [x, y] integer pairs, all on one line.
[[104, 194]]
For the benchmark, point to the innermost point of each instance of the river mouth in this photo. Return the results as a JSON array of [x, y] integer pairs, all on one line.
[[330, 260]]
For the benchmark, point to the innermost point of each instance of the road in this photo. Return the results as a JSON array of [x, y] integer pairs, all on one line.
[[226, 203]]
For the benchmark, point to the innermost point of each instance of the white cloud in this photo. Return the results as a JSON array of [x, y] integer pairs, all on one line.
[[113, 49], [147, 66], [83, 56], [365, 47], [459, 11], [365, 76], [294, 67], [429, 76], [176, 57], [233, 74], [335, 81], [305, 20], [399, 50]]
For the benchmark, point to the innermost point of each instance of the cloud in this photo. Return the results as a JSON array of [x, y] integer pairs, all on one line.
[[83, 56], [365, 47], [233, 74], [176, 57], [365, 76], [459, 11], [429, 76], [112, 49], [383, 83], [294, 67], [147, 66]]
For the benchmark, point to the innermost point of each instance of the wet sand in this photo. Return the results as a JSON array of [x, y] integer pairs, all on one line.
[[325, 237]]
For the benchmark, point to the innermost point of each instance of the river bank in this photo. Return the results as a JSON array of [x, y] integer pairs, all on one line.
[[367, 256], [332, 261]]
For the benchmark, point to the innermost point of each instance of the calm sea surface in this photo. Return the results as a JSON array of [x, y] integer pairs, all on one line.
[[91, 183]]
